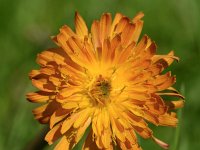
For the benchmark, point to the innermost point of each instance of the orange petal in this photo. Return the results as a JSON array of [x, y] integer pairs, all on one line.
[[169, 60], [141, 46], [134, 120], [68, 91], [50, 55], [106, 51], [144, 132], [172, 94], [89, 143], [105, 26], [160, 143], [156, 105], [106, 138], [63, 144], [53, 134], [168, 120], [114, 44], [55, 118], [39, 97], [70, 105], [67, 32], [67, 124], [95, 31], [85, 114], [128, 35], [126, 53], [44, 112], [138, 17], [151, 117], [117, 128], [34, 73], [168, 83], [44, 85], [68, 70], [40, 109], [168, 57], [48, 70], [55, 80], [120, 26], [128, 145], [138, 26], [155, 69], [99, 142], [175, 104], [82, 129], [131, 136], [116, 20], [160, 79], [80, 26]]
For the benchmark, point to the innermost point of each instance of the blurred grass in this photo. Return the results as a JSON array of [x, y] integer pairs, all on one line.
[[25, 29]]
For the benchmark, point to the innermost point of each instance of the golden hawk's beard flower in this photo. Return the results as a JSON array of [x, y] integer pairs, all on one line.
[[105, 79]]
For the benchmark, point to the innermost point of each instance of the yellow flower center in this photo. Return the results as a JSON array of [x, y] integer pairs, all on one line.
[[100, 90]]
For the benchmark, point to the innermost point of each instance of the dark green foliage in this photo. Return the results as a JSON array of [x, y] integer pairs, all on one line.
[[25, 29]]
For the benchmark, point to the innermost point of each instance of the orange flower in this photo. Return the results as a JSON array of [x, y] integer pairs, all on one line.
[[105, 79]]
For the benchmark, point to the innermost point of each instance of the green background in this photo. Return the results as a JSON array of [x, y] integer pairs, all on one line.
[[25, 28]]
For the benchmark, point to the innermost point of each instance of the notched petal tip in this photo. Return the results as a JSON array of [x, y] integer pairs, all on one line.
[[55, 40], [138, 17], [146, 37], [106, 14], [153, 48], [53, 134], [80, 25], [175, 104], [171, 55], [37, 97], [34, 73]]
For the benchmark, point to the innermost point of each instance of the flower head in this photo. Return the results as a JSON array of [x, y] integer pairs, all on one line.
[[105, 79]]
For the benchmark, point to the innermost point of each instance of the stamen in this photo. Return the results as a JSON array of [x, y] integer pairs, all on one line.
[[99, 90]]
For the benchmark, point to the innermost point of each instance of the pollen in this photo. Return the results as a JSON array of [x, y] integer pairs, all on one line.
[[100, 90]]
